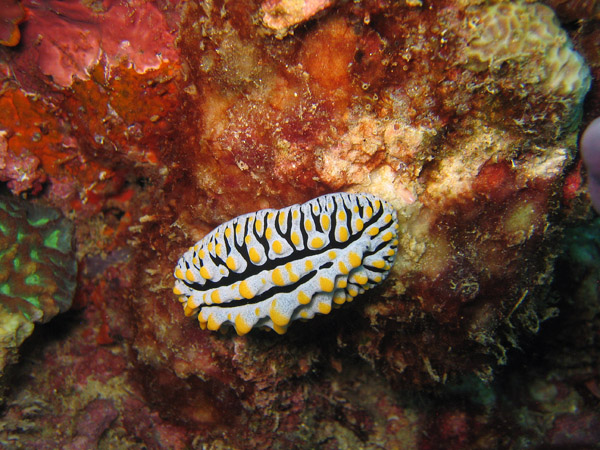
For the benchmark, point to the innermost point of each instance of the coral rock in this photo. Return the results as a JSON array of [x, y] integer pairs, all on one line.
[[281, 15], [393, 99], [528, 37], [95, 419], [11, 15], [386, 109], [21, 172], [472, 157], [67, 39]]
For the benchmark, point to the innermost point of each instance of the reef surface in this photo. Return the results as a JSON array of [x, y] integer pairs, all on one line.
[[149, 123]]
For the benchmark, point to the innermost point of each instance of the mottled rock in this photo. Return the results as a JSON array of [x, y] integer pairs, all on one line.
[[95, 419], [374, 96], [11, 15], [281, 15], [391, 107], [67, 40], [21, 173]]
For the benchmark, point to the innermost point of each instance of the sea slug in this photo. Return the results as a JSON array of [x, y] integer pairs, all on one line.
[[270, 267]]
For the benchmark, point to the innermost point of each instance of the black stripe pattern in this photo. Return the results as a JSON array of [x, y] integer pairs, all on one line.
[[268, 268]]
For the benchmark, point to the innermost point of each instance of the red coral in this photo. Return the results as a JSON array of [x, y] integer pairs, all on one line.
[[496, 181], [11, 15], [22, 172], [573, 183], [66, 39]]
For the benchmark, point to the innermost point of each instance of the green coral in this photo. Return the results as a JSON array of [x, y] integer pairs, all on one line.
[[37, 270], [528, 37]]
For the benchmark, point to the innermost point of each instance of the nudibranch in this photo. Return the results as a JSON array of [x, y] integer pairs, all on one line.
[[270, 267]]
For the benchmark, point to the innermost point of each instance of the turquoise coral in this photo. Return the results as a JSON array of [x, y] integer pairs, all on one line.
[[37, 270]]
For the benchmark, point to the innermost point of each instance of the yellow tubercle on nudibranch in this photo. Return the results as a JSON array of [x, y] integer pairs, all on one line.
[[311, 257]]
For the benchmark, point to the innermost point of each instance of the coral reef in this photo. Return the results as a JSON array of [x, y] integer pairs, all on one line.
[[38, 272], [528, 39], [69, 141], [149, 123], [474, 191], [67, 40]]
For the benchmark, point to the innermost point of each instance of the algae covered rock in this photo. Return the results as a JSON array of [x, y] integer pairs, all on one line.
[[462, 115], [467, 136], [37, 270]]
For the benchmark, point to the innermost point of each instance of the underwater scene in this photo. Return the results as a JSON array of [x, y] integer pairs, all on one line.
[[299, 224]]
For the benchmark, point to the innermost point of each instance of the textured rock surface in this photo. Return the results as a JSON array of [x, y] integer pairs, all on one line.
[[67, 39], [529, 38], [22, 173], [148, 146], [11, 15], [281, 15], [381, 106]]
